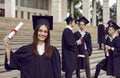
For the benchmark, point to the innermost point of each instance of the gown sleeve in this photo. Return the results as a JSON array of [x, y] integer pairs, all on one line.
[[69, 38], [56, 63], [17, 59], [117, 48], [89, 44]]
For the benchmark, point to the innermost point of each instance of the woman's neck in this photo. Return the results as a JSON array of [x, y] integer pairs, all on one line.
[[41, 42]]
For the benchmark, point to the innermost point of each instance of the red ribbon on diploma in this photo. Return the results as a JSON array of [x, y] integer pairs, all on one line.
[[14, 31]]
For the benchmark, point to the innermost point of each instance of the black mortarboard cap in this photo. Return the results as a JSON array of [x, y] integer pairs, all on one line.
[[42, 20], [110, 22], [83, 19], [115, 26], [68, 19]]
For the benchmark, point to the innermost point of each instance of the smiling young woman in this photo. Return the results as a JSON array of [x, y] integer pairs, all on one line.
[[39, 59]]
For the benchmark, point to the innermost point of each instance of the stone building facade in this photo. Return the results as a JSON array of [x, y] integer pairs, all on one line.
[[26, 8]]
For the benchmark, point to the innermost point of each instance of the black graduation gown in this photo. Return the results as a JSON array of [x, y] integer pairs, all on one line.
[[106, 31], [113, 60], [31, 66], [101, 33], [69, 51], [81, 48]]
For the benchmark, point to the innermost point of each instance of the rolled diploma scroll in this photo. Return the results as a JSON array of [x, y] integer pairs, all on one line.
[[14, 31], [107, 53], [81, 56]]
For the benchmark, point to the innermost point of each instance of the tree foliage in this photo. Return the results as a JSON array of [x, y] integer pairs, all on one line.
[[77, 9], [113, 12], [99, 9]]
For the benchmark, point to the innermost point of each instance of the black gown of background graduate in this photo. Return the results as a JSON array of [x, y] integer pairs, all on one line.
[[31, 66], [101, 33], [81, 48], [69, 51], [113, 60]]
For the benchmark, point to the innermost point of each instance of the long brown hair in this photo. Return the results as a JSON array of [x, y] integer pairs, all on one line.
[[48, 51]]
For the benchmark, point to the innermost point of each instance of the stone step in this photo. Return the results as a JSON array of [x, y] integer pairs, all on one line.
[[95, 55], [10, 74], [14, 47], [18, 44], [22, 37], [15, 74], [92, 67], [93, 62], [83, 75]]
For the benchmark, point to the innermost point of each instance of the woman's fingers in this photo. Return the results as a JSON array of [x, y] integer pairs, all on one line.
[[6, 40]]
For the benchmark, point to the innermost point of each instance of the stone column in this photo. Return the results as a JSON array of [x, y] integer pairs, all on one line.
[[64, 10], [94, 13], [18, 10], [25, 15], [10, 8], [106, 14], [118, 12], [56, 10], [59, 10], [86, 9]]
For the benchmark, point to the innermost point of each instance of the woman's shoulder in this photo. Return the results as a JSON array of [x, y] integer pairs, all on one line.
[[26, 46], [24, 49], [54, 49]]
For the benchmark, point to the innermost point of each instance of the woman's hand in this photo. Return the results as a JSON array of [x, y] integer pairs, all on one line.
[[7, 46], [6, 41]]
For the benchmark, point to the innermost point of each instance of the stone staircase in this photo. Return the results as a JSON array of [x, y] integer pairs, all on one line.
[[24, 36]]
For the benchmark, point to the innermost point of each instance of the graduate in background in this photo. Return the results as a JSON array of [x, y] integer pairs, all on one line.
[[102, 65], [110, 22], [101, 34], [69, 49], [39, 59], [112, 53], [84, 49], [112, 48]]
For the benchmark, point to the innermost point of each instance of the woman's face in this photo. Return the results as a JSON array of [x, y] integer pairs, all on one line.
[[42, 33]]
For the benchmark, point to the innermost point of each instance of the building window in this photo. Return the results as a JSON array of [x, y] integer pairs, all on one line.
[[2, 1], [16, 13], [33, 4], [28, 15], [16, 2], [25, 3], [37, 4], [40, 14], [22, 14], [2, 12], [46, 4]]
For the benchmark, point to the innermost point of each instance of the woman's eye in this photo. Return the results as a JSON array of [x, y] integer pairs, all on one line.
[[45, 31], [40, 31]]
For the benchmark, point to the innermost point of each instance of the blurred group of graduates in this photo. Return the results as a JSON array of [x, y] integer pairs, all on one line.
[[109, 42]]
